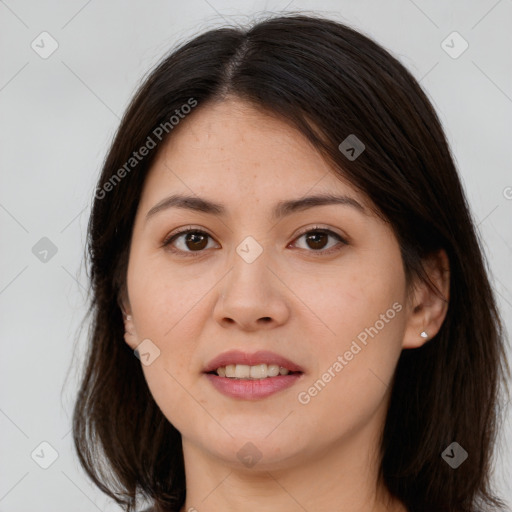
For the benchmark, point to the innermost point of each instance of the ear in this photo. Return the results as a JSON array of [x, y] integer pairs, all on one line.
[[130, 334], [427, 305]]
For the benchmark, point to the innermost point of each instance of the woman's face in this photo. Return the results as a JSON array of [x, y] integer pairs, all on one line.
[[262, 277]]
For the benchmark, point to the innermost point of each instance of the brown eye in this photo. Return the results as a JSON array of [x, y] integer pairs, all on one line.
[[317, 239], [189, 241], [196, 241]]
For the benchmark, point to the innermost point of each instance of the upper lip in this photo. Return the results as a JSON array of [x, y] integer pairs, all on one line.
[[260, 357]]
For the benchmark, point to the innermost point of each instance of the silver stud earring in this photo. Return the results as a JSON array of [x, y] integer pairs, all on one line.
[[423, 334]]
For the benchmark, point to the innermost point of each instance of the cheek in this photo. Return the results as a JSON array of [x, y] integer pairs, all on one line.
[[352, 296], [163, 305], [164, 298], [361, 307], [166, 306], [352, 377]]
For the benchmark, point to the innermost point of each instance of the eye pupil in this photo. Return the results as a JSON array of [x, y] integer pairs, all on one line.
[[311, 238], [194, 238]]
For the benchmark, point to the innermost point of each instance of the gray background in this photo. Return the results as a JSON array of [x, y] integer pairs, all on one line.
[[58, 117]]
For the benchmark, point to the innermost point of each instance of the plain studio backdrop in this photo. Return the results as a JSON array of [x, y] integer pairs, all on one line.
[[68, 70]]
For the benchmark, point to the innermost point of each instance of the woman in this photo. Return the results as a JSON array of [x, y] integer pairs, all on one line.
[[280, 237]]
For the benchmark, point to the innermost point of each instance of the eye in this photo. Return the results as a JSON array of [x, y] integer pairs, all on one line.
[[317, 238], [193, 240]]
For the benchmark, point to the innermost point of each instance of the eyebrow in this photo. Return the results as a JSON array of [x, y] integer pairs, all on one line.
[[281, 209]]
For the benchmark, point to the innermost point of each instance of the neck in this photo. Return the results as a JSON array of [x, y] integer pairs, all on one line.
[[345, 473]]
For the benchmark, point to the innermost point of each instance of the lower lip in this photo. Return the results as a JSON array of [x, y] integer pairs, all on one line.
[[248, 389]]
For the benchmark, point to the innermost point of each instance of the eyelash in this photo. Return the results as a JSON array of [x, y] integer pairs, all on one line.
[[189, 229]]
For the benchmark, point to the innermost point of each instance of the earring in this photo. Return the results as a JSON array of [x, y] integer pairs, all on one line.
[[423, 334], [128, 324]]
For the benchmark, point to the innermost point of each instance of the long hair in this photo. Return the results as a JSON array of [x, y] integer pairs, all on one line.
[[331, 82]]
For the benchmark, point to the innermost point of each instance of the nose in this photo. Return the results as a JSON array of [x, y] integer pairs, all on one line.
[[252, 297]]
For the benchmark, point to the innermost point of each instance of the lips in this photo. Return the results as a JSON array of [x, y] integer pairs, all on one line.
[[260, 357]]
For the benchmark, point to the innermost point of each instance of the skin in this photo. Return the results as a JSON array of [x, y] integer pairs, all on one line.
[[317, 455]]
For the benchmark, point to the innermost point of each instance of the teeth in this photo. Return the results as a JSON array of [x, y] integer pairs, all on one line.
[[273, 370], [258, 372], [230, 370], [244, 371]]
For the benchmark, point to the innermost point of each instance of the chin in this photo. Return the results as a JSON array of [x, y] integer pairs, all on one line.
[[261, 452]]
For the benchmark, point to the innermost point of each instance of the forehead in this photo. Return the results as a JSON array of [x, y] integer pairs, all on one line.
[[232, 150]]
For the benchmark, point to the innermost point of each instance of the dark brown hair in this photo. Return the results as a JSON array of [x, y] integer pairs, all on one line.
[[330, 81]]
